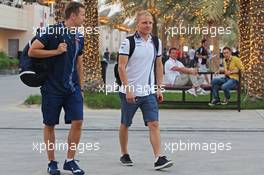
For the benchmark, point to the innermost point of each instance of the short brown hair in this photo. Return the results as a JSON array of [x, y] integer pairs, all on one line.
[[72, 7], [203, 41], [171, 49], [227, 48]]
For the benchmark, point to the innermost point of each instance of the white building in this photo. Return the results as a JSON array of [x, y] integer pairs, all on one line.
[[18, 21], [17, 24], [111, 39]]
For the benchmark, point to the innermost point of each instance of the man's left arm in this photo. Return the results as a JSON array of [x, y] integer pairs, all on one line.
[[240, 67]]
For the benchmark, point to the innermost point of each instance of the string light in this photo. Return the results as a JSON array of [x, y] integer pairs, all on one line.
[[251, 25], [91, 58]]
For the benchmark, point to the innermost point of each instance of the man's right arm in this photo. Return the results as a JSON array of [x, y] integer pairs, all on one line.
[[37, 50], [122, 62], [184, 70]]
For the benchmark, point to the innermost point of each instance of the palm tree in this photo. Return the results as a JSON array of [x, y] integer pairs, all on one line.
[[175, 12], [251, 24], [256, 82], [214, 13], [130, 8], [92, 66]]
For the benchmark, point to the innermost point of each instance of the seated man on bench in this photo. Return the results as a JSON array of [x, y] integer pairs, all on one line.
[[177, 75], [232, 66]]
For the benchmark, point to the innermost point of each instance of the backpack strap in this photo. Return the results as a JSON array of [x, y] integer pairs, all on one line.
[[155, 40], [132, 45]]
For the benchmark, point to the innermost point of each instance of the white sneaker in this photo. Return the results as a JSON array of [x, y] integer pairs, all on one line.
[[201, 91], [192, 92]]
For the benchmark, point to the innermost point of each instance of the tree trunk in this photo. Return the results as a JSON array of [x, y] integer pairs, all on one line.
[[155, 25], [92, 64], [256, 63], [251, 24], [244, 37], [215, 62], [59, 10], [163, 36]]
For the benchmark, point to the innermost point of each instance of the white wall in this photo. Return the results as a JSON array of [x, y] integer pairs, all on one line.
[[19, 23], [111, 39], [13, 18]]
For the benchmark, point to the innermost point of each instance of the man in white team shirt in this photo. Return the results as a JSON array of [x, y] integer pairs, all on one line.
[[137, 91], [178, 75]]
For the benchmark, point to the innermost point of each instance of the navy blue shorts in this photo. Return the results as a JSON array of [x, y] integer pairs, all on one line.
[[147, 104], [53, 103]]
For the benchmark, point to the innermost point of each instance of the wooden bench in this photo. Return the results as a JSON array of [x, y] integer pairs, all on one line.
[[183, 101]]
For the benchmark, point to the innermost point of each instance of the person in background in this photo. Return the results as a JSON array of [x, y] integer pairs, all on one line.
[[164, 56], [64, 86], [202, 55], [232, 66], [107, 55], [185, 60], [178, 75], [235, 52], [191, 54]]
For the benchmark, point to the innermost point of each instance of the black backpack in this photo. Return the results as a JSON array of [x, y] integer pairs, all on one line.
[[33, 71], [132, 46]]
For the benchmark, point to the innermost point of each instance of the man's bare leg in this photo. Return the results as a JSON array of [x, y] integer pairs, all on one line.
[[74, 137], [49, 139], [123, 138], [154, 135]]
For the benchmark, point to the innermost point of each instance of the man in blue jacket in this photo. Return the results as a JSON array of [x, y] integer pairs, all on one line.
[[63, 88]]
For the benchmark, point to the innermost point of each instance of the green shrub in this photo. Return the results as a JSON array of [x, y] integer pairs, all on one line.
[[113, 56], [111, 101], [6, 62], [33, 99]]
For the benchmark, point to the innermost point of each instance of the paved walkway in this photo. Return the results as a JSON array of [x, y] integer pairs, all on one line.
[[21, 134]]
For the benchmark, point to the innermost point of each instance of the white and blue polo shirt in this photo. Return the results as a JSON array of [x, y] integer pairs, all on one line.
[[140, 66]]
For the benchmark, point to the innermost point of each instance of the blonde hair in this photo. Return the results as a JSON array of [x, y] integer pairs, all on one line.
[[142, 13]]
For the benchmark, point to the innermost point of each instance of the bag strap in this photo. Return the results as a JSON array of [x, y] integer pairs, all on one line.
[[132, 45], [155, 40]]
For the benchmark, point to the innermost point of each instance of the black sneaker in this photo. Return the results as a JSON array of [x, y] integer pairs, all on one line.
[[53, 168], [125, 160], [73, 167], [214, 102], [162, 163]]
